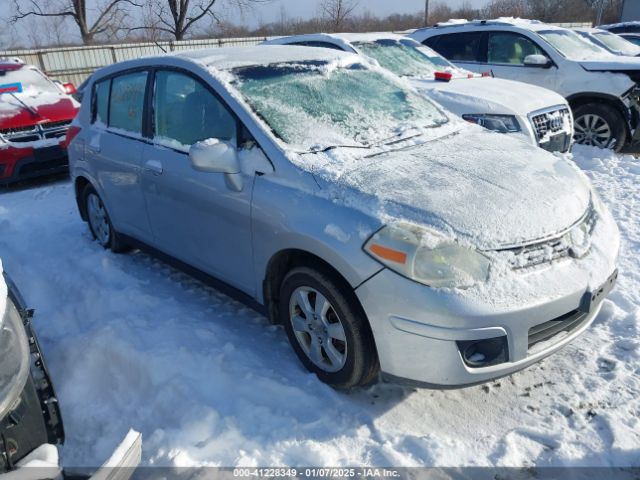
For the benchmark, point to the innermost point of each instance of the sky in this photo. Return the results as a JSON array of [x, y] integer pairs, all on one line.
[[308, 8], [259, 14]]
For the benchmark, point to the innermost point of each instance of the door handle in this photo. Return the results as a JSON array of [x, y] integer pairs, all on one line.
[[153, 166]]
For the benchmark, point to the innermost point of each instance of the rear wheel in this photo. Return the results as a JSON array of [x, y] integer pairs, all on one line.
[[100, 223], [327, 328], [600, 126]]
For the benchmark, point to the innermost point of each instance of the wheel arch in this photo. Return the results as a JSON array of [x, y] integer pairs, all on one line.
[[580, 99], [79, 184], [284, 261]]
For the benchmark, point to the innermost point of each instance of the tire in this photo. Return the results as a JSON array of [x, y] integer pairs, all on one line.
[[600, 125], [101, 228], [336, 345]]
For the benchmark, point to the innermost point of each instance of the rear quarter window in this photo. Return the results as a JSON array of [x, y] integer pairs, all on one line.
[[100, 108], [458, 46]]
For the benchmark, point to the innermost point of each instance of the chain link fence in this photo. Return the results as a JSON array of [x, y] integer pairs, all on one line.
[[75, 64]]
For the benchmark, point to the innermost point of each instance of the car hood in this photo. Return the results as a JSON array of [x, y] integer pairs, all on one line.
[[48, 107], [490, 189], [489, 95], [614, 64]]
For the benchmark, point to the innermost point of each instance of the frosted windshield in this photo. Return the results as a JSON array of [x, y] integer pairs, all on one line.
[[32, 81], [404, 58], [572, 46], [618, 44], [315, 105]]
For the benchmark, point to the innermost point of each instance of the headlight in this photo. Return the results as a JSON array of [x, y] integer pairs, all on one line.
[[427, 256], [496, 123], [14, 358]]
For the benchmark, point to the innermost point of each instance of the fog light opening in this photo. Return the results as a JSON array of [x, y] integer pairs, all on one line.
[[484, 353]]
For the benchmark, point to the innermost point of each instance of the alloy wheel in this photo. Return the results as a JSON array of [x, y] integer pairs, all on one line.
[[592, 129], [98, 219], [318, 329]]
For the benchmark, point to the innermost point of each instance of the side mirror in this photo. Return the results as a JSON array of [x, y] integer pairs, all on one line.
[[537, 61], [217, 156]]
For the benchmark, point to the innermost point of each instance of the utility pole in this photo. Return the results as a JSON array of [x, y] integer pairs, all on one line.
[[426, 13]]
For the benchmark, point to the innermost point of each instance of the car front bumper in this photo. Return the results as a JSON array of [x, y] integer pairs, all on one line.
[[26, 162], [423, 335]]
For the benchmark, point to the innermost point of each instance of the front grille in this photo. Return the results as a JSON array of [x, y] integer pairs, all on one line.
[[551, 122], [562, 246], [566, 323], [33, 133]]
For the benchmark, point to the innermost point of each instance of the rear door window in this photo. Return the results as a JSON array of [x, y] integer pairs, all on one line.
[[459, 47], [318, 44], [126, 105]]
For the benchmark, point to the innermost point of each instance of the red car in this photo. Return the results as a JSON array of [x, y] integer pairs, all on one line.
[[35, 113]]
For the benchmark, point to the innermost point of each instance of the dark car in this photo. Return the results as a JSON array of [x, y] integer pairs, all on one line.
[[29, 411]]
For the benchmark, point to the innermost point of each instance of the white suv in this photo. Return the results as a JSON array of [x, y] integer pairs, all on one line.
[[600, 87]]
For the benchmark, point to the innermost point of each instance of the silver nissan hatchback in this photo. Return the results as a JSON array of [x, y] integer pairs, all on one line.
[[385, 235]]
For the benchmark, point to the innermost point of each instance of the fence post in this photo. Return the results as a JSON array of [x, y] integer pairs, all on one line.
[[113, 55], [41, 61]]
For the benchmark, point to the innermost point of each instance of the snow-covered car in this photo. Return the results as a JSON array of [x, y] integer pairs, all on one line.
[[30, 421], [538, 115], [631, 37], [601, 88], [35, 113], [609, 41], [382, 231], [622, 27]]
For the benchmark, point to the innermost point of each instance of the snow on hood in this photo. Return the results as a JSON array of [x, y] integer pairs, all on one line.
[[616, 63], [490, 95], [48, 105], [480, 187], [3, 293]]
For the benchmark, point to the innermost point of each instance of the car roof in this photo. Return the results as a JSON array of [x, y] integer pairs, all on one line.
[[590, 30], [227, 58], [533, 25]]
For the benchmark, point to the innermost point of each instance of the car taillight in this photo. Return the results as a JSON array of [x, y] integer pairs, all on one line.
[[69, 88], [71, 134]]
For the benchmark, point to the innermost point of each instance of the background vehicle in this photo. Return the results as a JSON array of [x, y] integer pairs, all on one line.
[[609, 41], [601, 88], [29, 412], [631, 37], [623, 27], [30, 421], [35, 113], [540, 116], [329, 194]]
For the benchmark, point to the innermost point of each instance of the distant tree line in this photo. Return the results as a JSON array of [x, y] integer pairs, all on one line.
[[109, 21]]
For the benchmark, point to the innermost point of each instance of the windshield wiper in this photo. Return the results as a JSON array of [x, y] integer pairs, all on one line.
[[31, 110], [333, 147]]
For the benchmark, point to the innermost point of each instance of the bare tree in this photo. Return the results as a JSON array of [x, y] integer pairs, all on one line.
[[337, 11], [107, 16], [177, 17]]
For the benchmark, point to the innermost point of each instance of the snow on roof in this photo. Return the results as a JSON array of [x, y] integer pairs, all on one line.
[[367, 37], [621, 24], [227, 58], [534, 25]]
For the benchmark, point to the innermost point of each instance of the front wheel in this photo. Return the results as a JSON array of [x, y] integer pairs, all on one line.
[[327, 328], [599, 125]]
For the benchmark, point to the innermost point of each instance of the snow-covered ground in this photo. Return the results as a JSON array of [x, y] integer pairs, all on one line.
[[133, 343]]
